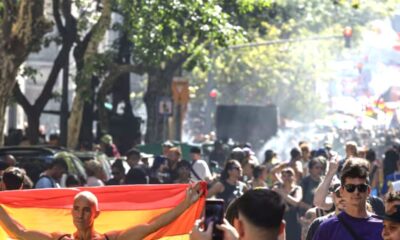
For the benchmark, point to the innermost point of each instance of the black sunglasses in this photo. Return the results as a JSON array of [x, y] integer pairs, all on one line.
[[352, 187]]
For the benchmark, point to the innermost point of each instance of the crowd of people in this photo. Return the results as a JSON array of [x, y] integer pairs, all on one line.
[[317, 194]]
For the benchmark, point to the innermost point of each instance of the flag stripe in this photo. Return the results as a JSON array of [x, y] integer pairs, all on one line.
[[110, 197], [117, 215]]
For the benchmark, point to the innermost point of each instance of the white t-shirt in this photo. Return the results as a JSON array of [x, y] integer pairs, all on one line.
[[202, 170], [94, 182]]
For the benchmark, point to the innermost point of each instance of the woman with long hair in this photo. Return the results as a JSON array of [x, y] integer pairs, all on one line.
[[229, 187], [292, 194]]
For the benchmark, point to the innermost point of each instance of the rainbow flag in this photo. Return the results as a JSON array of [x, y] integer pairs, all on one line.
[[49, 210]]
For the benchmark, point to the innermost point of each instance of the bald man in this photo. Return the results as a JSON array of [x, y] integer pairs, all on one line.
[[85, 210]]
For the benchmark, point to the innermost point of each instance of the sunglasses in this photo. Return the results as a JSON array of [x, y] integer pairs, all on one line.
[[352, 187], [237, 168]]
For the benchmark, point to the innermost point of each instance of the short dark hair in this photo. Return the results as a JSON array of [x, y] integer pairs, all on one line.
[[252, 203], [371, 155], [257, 171], [3, 165], [133, 152], [118, 165], [59, 162], [314, 161], [13, 178], [268, 156], [195, 150], [72, 180], [183, 163], [355, 168], [295, 153]]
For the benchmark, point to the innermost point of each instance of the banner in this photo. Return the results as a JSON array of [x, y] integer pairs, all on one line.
[[121, 207]]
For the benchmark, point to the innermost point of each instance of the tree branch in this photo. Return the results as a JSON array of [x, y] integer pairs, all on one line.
[[57, 18], [59, 63], [70, 21], [116, 70], [28, 30]]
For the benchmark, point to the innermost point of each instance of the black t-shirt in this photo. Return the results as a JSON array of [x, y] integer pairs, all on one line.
[[377, 205], [315, 225], [309, 185], [136, 175]]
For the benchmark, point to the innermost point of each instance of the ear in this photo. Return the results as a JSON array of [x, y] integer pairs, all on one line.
[[240, 228], [282, 227]]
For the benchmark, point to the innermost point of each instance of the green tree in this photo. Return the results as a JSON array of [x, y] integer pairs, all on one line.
[[68, 34], [169, 36], [23, 25], [287, 74]]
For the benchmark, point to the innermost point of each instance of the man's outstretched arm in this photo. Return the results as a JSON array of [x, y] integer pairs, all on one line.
[[18, 230], [143, 230]]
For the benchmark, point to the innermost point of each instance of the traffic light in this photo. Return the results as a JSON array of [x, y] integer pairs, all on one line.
[[347, 34]]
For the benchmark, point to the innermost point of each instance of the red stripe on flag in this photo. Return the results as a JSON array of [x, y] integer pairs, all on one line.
[[134, 197]]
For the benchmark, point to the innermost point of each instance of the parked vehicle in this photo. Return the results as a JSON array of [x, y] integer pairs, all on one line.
[[35, 160]]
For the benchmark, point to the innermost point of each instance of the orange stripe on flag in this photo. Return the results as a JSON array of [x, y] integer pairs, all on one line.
[[117, 212]]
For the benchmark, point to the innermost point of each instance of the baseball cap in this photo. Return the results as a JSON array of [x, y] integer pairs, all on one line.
[[168, 144], [395, 217]]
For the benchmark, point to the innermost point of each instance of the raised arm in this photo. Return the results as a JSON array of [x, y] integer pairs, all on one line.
[[18, 230], [141, 231], [323, 189]]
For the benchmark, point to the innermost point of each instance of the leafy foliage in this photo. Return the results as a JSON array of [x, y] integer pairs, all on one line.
[[286, 74], [160, 30]]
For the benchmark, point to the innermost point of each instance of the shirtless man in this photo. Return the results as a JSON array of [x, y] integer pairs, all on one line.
[[85, 210]]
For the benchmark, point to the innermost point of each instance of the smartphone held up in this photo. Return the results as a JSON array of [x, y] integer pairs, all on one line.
[[214, 215]]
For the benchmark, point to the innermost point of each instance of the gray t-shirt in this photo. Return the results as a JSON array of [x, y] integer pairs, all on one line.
[[46, 182]]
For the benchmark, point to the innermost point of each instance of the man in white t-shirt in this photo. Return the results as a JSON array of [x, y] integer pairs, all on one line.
[[200, 170]]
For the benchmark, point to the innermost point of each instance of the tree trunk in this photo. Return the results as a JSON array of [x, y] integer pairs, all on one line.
[[4, 98], [91, 43], [86, 133], [74, 122], [33, 127], [159, 85]]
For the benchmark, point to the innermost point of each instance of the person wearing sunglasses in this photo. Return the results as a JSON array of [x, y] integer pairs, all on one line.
[[355, 222]]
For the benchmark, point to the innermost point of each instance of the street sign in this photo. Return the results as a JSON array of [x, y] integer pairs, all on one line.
[[165, 106], [180, 90]]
